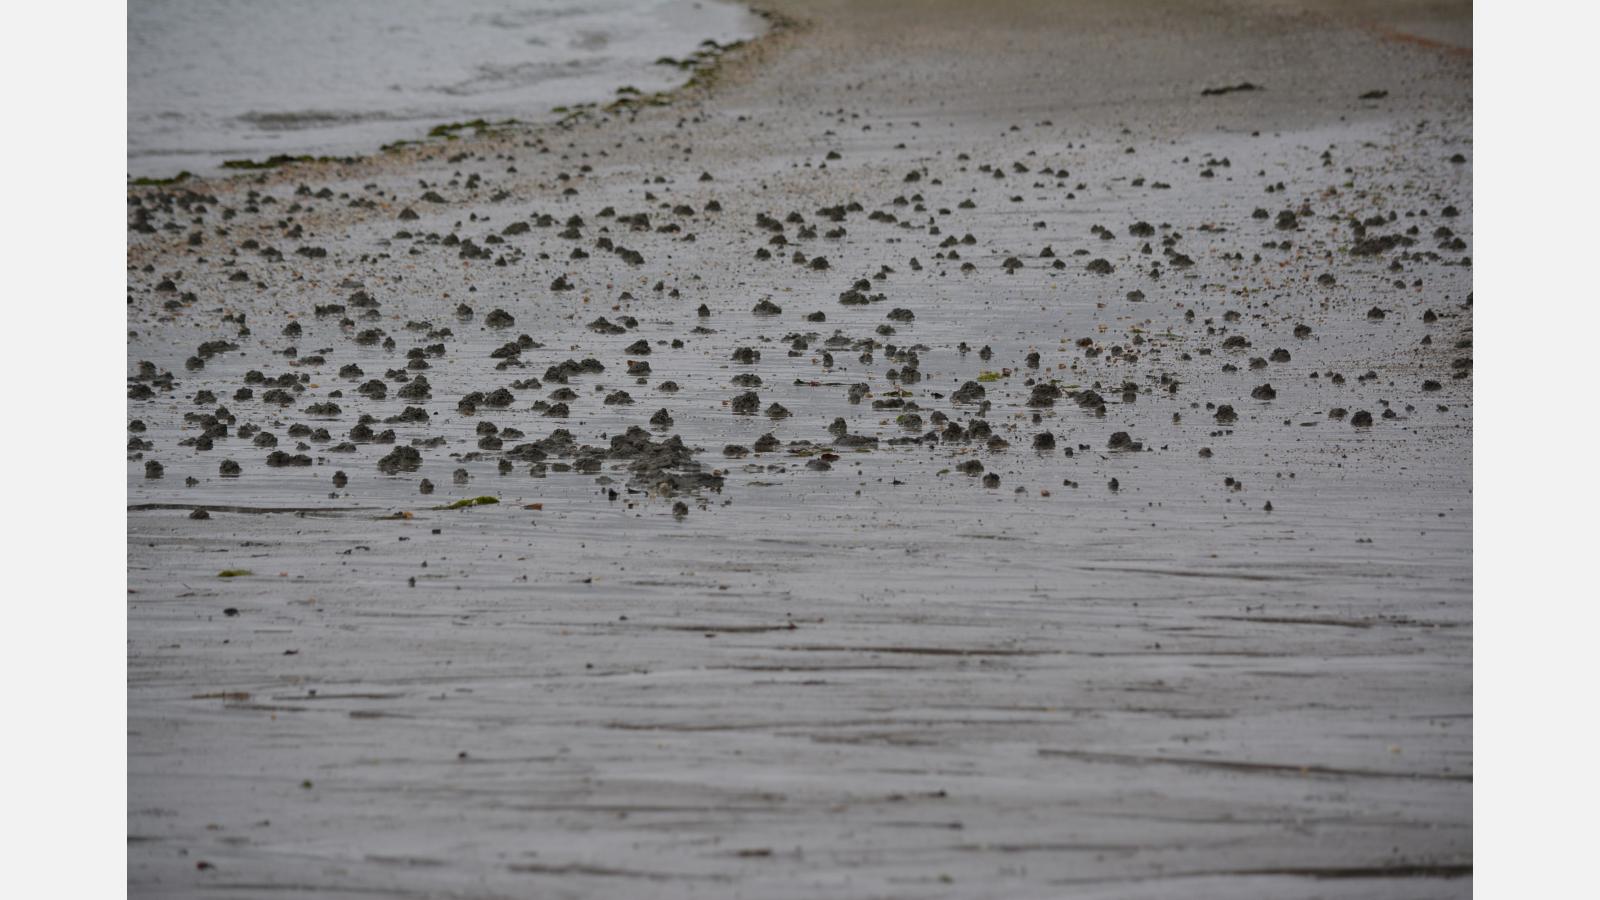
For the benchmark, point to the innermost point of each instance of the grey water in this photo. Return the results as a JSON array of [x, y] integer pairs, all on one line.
[[211, 80]]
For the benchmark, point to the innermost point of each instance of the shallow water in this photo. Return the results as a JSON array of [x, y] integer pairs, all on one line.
[[210, 80]]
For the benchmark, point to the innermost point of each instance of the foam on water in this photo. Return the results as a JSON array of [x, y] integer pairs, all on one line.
[[210, 80]]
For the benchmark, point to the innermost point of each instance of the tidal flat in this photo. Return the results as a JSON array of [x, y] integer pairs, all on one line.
[[938, 452]]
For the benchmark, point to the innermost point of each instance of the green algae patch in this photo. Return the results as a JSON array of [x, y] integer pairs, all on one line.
[[452, 130], [470, 501], [704, 67], [179, 178], [234, 573], [283, 159], [271, 162]]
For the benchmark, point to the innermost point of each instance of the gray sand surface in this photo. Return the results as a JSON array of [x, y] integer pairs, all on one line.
[[876, 677]]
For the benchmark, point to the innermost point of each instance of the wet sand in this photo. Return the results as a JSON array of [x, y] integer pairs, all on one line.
[[1199, 655]]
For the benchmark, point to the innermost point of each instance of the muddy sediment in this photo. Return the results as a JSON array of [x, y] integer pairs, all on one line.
[[889, 469]]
